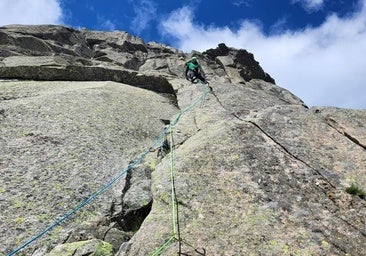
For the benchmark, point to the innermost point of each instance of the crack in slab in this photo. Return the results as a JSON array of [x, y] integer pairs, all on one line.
[[334, 124], [319, 172], [322, 172]]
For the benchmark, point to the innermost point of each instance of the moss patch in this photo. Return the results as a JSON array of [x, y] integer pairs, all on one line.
[[91, 247]]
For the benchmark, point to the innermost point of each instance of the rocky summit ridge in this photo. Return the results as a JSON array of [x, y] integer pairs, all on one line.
[[256, 172]]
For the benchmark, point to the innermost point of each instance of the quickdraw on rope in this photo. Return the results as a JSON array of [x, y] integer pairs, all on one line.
[[96, 194]]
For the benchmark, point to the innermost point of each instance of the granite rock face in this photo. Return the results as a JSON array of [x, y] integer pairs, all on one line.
[[256, 172]]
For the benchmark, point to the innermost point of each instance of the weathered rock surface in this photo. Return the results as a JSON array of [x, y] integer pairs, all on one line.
[[61, 141], [256, 171], [269, 183], [92, 247]]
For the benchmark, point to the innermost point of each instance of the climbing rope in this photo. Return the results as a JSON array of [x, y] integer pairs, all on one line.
[[115, 179], [89, 199], [175, 236], [173, 195], [175, 215]]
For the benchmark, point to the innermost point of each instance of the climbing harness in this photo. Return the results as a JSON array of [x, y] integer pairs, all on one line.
[[109, 184]]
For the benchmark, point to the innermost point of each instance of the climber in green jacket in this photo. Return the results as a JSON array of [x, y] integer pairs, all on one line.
[[194, 71]]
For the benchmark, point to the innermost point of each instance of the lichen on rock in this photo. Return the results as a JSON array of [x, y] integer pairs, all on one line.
[[256, 172]]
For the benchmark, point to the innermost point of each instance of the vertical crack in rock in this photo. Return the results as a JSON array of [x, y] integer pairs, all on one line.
[[313, 217], [218, 100], [323, 173], [136, 200], [326, 175], [354, 140], [328, 231], [334, 124]]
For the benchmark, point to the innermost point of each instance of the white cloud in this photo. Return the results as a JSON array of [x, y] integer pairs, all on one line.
[[105, 24], [30, 12], [310, 5], [145, 11], [242, 2], [323, 65]]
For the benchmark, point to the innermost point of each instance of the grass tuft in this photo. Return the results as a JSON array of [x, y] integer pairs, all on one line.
[[355, 190]]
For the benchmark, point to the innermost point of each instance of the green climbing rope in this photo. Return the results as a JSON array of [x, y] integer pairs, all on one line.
[[109, 184], [175, 218], [173, 197]]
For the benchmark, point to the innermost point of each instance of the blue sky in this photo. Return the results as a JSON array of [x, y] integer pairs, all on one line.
[[314, 48]]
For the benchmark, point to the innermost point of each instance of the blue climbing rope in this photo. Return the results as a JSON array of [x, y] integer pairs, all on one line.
[[115, 179], [91, 198]]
